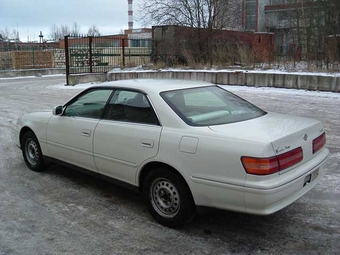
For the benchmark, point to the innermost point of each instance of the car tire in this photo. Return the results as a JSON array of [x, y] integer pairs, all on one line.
[[168, 198], [31, 152]]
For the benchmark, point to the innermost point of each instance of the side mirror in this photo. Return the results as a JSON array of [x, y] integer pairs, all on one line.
[[58, 110]]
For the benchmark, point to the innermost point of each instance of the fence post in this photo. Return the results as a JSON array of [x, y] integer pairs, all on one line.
[[154, 51], [90, 52], [67, 58], [123, 51]]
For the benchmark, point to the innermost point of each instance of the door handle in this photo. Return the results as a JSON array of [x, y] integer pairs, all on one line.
[[86, 132], [147, 143]]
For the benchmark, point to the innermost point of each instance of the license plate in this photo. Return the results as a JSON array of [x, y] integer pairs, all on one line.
[[311, 177], [315, 174]]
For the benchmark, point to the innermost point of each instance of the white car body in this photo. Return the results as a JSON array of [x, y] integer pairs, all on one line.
[[208, 158]]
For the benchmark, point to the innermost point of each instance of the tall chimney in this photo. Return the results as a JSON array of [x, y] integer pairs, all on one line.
[[130, 13]]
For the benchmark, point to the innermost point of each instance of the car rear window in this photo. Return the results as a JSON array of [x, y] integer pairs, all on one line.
[[211, 105]]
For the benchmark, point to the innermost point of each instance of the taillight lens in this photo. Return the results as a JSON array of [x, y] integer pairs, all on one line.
[[265, 166], [290, 158], [260, 166], [319, 142]]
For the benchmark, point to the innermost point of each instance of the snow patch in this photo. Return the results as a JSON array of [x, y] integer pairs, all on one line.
[[76, 87], [231, 88], [271, 90], [267, 71], [131, 69], [299, 69], [31, 77]]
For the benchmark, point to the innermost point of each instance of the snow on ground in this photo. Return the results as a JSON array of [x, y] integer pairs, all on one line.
[[270, 90], [59, 210], [268, 71], [30, 77], [298, 70], [232, 88], [76, 87]]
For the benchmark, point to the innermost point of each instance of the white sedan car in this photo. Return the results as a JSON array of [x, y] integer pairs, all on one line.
[[182, 144]]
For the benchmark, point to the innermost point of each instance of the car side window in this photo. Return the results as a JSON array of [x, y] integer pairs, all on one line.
[[89, 105], [130, 106]]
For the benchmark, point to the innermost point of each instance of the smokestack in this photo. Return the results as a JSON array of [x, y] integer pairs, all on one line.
[[130, 13]]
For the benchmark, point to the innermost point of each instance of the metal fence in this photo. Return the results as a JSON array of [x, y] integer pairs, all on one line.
[[77, 54], [102, 54]]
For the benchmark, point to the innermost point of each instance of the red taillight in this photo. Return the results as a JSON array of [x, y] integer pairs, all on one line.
[[260, 166], [265, 166], [319, 142], [290, 158]]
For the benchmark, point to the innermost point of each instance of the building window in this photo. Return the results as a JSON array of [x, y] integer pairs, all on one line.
[[250, 15], [139, 43]]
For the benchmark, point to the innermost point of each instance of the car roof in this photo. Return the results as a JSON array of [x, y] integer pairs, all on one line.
[[156, 85]]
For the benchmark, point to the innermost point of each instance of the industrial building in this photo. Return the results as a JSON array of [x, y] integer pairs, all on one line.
[[289, 20]]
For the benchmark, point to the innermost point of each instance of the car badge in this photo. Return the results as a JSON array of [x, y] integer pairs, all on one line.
[[305, 137]]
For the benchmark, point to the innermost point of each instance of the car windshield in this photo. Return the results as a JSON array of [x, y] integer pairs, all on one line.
[[210, 105]]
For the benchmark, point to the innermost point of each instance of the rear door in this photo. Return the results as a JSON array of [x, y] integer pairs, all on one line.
[[128, 135], [70, 135]]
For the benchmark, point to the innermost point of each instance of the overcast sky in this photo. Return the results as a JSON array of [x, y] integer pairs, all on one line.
[[33, 16]]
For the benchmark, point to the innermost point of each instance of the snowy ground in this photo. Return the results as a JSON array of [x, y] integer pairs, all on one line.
[[65, 212], [300, 69]]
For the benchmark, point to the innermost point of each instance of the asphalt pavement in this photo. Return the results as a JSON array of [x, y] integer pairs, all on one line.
[[62, 211]]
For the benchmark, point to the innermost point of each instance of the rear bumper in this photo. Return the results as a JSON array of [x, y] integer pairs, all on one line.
[[267, 200], [261, 195]]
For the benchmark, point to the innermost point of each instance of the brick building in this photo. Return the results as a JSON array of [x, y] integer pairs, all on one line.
[[102, 41], [21, 46]]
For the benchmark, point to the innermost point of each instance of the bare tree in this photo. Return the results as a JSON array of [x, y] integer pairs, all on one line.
[[203, 17], [192, 13], [93, 31], [54, 34], [10, 35], [332, 32], [5, 34], [319, 19], [15, 35], [302, 28], [229, 14], [57, 33], [75, 30], [65, 30]]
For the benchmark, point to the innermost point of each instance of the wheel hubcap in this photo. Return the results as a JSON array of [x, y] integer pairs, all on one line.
[[165, 198], [32, 152]]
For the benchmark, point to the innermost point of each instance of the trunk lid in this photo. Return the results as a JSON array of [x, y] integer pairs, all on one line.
[[284, 132]]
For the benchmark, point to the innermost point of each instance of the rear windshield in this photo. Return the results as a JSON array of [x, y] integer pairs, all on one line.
[[212, 105]]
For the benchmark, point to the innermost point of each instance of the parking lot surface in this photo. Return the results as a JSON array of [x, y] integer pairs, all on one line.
[[62, 211]]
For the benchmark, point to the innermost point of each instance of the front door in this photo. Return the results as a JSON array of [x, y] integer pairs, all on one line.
[[70, 135]]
